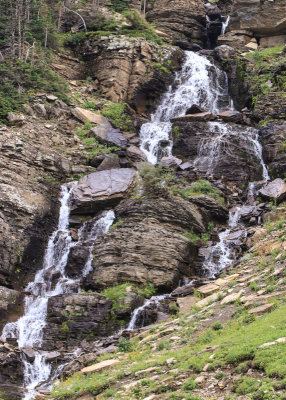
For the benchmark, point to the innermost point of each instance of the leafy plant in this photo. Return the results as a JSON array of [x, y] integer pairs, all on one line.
[[116, 113]]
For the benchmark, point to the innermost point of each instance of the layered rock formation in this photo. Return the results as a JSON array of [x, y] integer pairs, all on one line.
[[129, 69], [149, 245], [182, 22]]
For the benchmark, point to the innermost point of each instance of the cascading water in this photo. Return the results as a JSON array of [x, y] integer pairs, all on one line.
[[225, 25], [199, 82], [28, 330]]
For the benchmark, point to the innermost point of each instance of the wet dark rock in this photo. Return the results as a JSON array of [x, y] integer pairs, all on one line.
[[77, 259], [109, 162], [11, 366], [229, 156], [10, 303], [183, 291], [195, 109], [274, 191], [101, 190], [273, 137]]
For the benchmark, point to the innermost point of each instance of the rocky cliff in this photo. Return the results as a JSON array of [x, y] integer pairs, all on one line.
[[170, 222]]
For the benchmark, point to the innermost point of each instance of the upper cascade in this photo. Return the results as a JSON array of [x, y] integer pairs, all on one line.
[[199, 82]]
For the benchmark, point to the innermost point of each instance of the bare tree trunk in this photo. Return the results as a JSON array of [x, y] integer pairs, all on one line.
[[28, 51], [83, 21], [46, 36]]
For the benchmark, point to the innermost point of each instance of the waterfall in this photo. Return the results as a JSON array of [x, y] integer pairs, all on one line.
[[199, 82], [28, 329], [225, 25]]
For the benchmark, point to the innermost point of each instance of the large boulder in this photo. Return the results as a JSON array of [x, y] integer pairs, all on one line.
[[11, 372], [10, 304], [274, 191], [100, 190]]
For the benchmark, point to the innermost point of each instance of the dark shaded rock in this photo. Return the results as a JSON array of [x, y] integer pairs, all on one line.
[[210, 208], [11, 366], [100, 190], [29, 353], [274, 191], [183, 291], [219, 150], [77, 259], [273, 137], [106, 134], [11, 392], [195, 109]]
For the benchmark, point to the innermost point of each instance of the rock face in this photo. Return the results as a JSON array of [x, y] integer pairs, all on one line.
[[148, 244], [11, 372], [124, 68], [27, 166], [274, 191], [100, 190], [273, 137], [72, 318], [182, 19], [220, 150], [10, 303], [265, 18]]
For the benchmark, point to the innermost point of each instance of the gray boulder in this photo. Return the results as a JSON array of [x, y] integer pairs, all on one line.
[[106, 134], [101, 190], [274, 191]]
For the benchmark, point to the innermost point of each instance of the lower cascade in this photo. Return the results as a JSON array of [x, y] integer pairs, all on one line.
[[28, 330]]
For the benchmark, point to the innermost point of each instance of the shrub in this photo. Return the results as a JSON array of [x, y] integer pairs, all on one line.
[[245, 385], [116, 113], [216, 326], [19, 79], [199, 188], [156, 180], [124, 344]]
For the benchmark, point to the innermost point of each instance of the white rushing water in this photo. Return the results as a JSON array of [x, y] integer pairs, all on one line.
[[28, 330], [199, 82], [225, 25]]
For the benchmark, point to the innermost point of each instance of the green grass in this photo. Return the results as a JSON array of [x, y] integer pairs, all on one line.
[[201, 187], [238, 346]]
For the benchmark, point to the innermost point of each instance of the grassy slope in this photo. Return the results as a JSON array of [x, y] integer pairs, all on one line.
[[217, 344]]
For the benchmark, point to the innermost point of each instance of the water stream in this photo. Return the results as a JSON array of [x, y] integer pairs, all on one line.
[[225, 25], [28, 329], [199, 82]]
